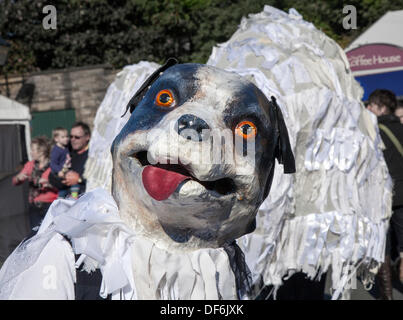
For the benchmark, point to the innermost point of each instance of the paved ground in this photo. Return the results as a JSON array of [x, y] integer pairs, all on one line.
[[361, 294]]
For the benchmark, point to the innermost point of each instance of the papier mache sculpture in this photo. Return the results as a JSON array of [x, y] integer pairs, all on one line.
[[334, 211], [190, 169]]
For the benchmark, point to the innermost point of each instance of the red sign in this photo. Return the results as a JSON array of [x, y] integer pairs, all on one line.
[[375, 56]]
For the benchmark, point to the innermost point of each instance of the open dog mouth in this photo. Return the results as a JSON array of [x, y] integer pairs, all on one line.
[[161, 180]]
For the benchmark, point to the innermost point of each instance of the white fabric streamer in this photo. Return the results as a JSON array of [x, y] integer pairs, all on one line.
[[132, 266], [109, 121]]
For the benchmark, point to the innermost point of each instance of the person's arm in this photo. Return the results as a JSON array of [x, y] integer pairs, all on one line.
[[55, 181], [73, 178], [44, 181], [66, 167], [57, 159], [24, 174], [75, 175]]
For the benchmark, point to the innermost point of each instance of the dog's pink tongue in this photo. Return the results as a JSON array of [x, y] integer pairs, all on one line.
[[161, 183]]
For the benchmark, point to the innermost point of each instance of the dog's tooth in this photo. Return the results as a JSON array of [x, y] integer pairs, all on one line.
[[190, 188]]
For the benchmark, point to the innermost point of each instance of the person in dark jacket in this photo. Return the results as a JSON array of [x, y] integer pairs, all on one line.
[[399, 111], [383, 104], [79, 139]]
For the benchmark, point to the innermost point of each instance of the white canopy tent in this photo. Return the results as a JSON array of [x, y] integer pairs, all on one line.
[[13, 112], [386, 30], [376, 56], [15, 140]]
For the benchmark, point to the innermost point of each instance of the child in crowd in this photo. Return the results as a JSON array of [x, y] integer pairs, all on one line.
[[60, 159]]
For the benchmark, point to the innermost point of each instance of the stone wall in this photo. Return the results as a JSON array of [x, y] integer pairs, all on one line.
[[81, 89], [14, 85]]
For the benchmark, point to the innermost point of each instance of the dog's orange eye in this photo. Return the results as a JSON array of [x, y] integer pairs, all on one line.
[[165, 98], [246, 130]]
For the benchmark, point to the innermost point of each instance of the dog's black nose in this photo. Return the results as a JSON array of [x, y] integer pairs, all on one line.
[[192, 128]]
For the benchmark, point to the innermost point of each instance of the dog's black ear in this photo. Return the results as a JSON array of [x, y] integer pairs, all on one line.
[[283, 152], [138, 96]]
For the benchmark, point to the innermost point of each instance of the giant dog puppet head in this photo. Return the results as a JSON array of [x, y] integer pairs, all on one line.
[[196, 158]]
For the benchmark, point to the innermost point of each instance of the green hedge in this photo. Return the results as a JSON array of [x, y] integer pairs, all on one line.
[[123, 32]]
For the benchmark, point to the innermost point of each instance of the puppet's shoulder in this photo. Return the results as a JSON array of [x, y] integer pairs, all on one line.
[[40, 268]]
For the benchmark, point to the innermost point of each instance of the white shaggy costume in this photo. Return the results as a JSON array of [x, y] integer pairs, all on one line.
[[133, 267]]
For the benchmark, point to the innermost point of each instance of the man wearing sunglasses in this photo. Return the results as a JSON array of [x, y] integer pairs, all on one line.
[[79, 139]]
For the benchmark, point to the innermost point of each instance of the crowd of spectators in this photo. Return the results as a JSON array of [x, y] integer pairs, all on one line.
[[56, 169]]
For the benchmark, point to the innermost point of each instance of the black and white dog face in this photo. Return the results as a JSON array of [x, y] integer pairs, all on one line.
[[196, 158]]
